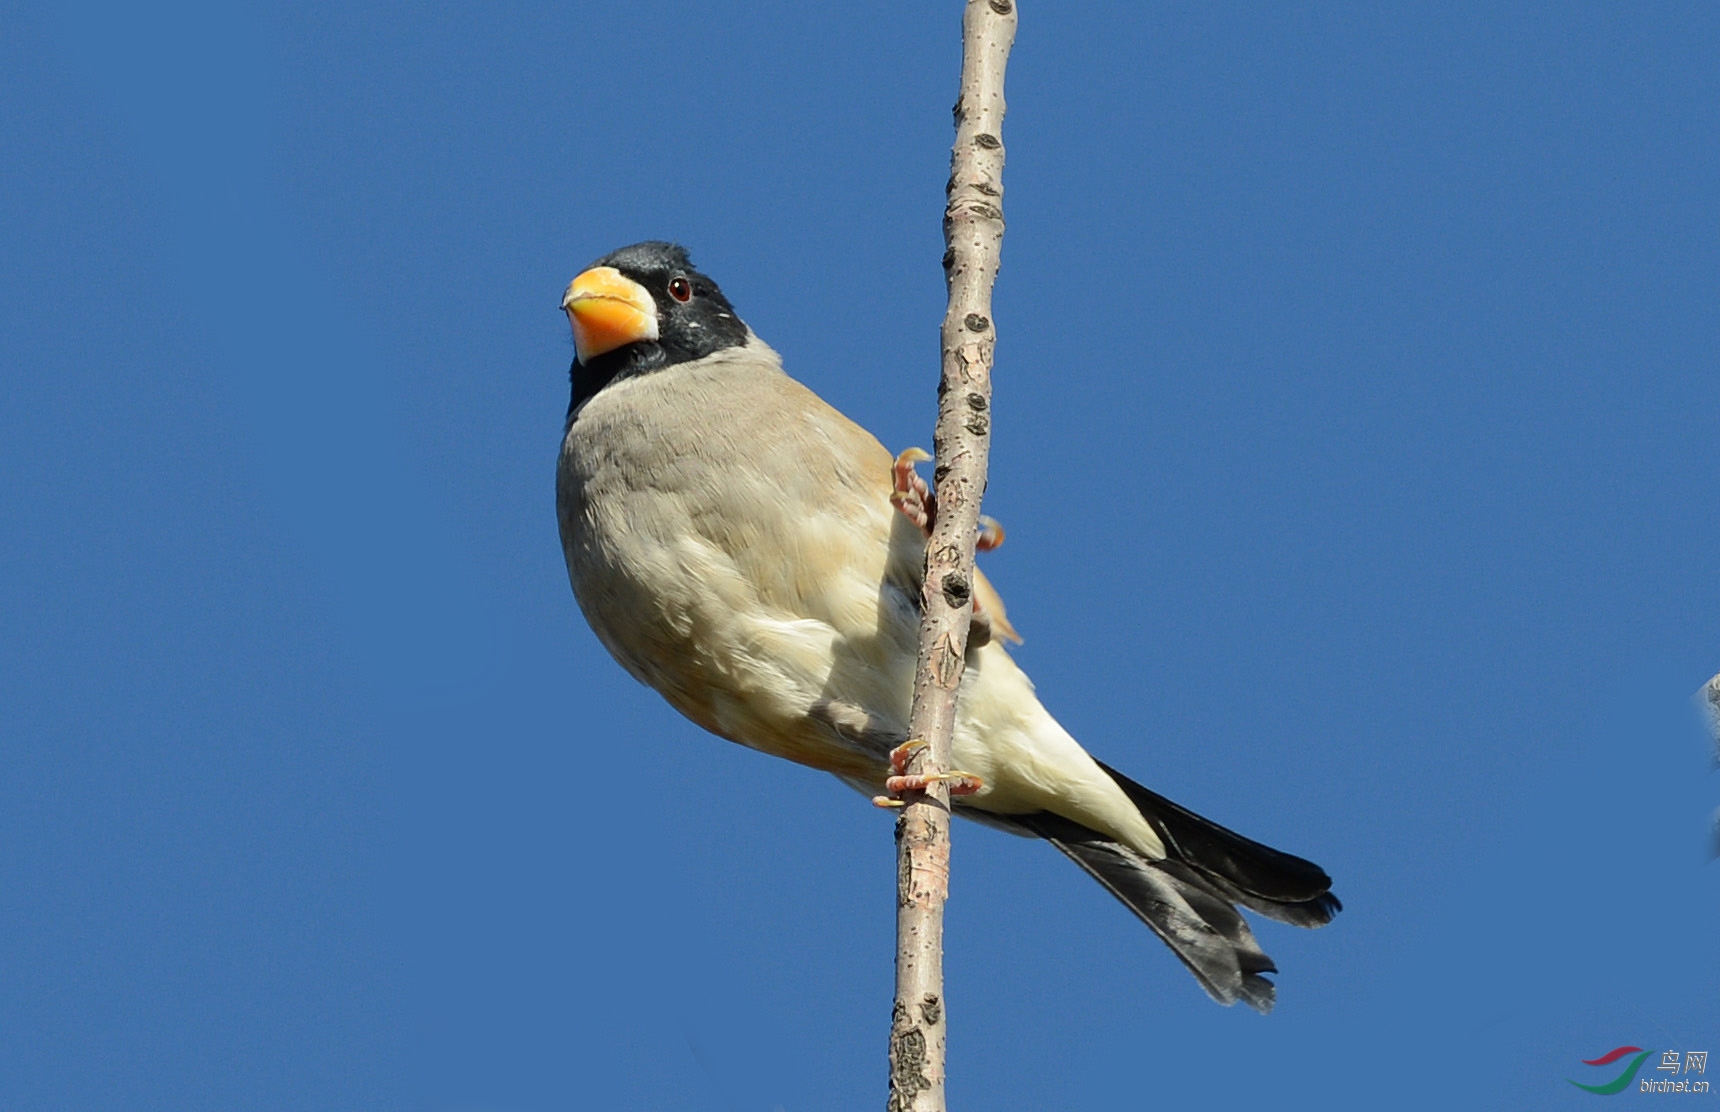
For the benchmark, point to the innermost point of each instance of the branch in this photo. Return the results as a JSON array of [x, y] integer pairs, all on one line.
[[973, 238]]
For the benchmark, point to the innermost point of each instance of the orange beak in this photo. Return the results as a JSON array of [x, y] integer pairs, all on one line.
[[607, 311]]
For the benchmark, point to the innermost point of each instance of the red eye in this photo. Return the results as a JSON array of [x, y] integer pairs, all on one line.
[[680, 289]]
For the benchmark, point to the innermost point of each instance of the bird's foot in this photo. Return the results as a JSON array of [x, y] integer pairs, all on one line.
[[961, 783], [910, 494]]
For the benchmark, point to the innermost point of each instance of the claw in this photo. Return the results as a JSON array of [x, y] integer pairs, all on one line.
[[903, 753], [961, 783], [918, 504], [911, 495]]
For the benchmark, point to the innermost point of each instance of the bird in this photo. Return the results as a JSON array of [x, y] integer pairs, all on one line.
[[756, 557]]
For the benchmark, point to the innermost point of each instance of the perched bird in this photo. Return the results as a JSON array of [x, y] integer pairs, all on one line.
[[756, 557]]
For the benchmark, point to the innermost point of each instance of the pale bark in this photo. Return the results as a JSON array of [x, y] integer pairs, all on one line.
[[973, 237]]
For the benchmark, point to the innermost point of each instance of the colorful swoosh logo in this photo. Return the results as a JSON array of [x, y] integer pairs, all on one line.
[[1617, 1084]]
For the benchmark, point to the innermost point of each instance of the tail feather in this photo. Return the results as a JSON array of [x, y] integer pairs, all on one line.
[[1198, 924], [1278, 885], [1190, 897]]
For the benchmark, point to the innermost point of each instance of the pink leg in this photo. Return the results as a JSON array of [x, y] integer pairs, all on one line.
[[918, 504], [911, 494], [961, 783]]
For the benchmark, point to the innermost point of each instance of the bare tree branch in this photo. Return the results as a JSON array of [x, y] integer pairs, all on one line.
[[973, 237]]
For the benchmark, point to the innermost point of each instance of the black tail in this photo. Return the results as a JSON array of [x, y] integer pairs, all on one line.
[[1279, 885], [1189, 898]]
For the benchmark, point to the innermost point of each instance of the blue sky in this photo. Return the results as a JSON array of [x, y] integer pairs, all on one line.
[[1355, 432]]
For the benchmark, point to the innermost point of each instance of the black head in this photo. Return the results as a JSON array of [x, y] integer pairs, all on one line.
[[641, 309]]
